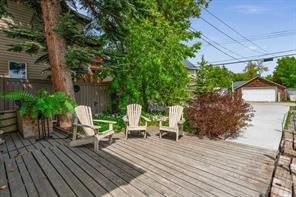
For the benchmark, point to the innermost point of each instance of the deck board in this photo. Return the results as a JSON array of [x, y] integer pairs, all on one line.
[[207, 158], [134, 167], [16, 185], [76, 185], [211, 177]]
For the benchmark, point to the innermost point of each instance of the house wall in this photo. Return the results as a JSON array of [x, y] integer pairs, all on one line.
[[262, 83], [21, 16]]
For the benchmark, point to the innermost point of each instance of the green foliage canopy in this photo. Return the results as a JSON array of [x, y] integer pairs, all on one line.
[[150, 67], [209, 77], [253, 69], [285, 72]]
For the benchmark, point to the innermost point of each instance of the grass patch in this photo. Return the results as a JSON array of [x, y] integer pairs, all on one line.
[[289, 116]]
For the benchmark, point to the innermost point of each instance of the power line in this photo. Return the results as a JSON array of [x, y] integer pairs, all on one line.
[[255, 56], [224, 33], [264, 36], [216, 43], [222, 46], [219, 49], [208, 40], [219, 19], [242, 61]]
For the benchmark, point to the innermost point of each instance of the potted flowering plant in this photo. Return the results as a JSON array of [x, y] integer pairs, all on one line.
[[43, 106]]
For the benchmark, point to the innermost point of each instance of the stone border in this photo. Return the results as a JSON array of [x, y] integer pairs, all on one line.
[[284, 179]]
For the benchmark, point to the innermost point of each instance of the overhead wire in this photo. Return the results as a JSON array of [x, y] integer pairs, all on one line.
[[218, 48], [257, 56], [240, 43], [212, 42], [242, 61], [234, 30]]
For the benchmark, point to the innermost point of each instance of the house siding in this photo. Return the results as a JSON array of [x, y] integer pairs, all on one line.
[[22, 15], [260, 83]]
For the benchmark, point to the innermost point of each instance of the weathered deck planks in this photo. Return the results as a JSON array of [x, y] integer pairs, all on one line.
[[134, 167]]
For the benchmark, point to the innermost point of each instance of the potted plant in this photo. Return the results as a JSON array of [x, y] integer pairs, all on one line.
[[42, 106]]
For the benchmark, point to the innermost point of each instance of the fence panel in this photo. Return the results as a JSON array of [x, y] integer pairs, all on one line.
[[94, 95], [1, 92]]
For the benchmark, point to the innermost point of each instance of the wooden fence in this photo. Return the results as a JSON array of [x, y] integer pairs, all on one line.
[[93, 95]]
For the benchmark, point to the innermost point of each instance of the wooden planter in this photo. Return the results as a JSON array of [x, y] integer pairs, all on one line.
[[28, 128], [8, 121]]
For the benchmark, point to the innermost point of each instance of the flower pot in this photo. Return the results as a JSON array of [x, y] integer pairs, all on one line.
[[28, 128]]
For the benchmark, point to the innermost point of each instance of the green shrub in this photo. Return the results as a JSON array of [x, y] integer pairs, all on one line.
[[119, 126]]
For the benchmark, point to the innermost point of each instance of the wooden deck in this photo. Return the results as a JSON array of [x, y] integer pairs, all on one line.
[[134, 167]]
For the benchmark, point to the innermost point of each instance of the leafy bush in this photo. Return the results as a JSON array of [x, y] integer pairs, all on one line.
[[119, 126], [218, 115], [43, 104], [117, 117]]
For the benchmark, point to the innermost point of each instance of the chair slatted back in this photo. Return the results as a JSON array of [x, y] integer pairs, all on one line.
[[175, 115], [84, 116], [134, 114]]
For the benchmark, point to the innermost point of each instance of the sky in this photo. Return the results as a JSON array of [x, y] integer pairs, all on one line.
[[270, 24]]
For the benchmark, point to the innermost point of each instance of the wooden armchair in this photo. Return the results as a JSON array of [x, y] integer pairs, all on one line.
[[176, 121], [132, 120], [91, 131]]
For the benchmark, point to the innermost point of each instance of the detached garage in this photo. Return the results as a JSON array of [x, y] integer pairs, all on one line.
[[260, 90]]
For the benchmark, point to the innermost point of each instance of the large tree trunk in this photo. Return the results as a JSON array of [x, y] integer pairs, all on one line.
[[61, 76]]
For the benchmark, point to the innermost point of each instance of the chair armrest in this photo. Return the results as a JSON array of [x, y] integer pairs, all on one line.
[[88, 126], [162, 118], [181, 121], [145, 118], [105, 121], [124, 118]]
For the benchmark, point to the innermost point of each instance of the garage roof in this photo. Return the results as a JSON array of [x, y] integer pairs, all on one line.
[[241, 84], [237, 84]]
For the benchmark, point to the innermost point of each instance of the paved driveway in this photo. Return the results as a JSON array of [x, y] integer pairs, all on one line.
[[266, 126]]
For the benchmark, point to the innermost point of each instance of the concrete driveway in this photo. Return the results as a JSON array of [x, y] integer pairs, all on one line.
[[266, 126]]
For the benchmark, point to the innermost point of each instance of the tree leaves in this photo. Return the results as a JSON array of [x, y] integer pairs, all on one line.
[[209, 77], [284, 72]]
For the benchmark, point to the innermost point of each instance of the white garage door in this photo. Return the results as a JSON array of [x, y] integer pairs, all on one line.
[[259, 94]]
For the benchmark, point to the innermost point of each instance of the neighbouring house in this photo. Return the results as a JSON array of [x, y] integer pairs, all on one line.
[[191, 68], [260, 89], [291, 93], [18, 71]]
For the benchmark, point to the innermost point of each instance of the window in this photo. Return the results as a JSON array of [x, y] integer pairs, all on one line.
[[17, 70]]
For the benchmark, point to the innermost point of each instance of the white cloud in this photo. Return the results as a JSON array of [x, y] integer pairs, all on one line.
[[253, 48], [249, 9]]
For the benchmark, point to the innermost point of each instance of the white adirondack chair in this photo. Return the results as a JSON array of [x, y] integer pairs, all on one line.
[[91, 132], [132, 120], [176, 121]]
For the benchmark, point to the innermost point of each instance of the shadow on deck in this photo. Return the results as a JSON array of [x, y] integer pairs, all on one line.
[[133, 167]]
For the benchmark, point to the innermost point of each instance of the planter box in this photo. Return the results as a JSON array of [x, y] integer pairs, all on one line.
[[29, 128], [8, 121]]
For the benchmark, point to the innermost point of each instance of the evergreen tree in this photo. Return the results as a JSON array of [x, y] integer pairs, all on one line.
[[209, 77]]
